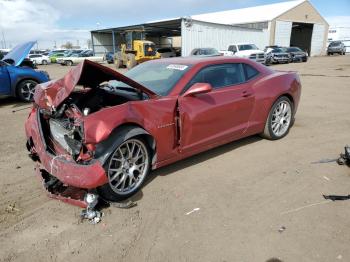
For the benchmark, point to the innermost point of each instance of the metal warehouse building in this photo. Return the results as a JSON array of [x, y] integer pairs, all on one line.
[[293, 23]]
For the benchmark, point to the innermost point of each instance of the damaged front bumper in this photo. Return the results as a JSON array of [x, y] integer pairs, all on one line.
[[61, 166]]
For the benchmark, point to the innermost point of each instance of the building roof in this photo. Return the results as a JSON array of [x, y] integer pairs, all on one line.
[[260, 13]]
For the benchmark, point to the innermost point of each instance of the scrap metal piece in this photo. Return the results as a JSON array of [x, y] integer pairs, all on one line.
[[90, 213], [325, 160], [125, 205], [335, 197]]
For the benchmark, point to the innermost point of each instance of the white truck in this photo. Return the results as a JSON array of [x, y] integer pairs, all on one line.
[[245, 50], [78, 58]]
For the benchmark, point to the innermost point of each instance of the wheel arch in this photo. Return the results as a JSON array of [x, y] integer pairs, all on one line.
[[121, 133], [19, 81]]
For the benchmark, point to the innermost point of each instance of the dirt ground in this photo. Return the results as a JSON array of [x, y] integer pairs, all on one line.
[[255, 199]]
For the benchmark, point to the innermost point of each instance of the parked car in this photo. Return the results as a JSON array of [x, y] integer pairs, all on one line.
[[336, 47], [296, 54], [245, 50], [166, 52], [78, 58], [17, 77], [39, 59], [205, 52], [73, 51], [109, 57], [57, 51], [109, 136], [277, 56], [3, 52], [55, 56]]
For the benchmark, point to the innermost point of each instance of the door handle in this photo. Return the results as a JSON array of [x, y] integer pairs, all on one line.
[[247, 94]]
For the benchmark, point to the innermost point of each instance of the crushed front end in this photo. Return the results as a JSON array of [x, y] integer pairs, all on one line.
[[65, 167], [66, 125]]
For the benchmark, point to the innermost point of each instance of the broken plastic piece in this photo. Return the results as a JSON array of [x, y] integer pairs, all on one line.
[[344, 159]]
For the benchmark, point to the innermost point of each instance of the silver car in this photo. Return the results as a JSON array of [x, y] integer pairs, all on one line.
[[336, 47]]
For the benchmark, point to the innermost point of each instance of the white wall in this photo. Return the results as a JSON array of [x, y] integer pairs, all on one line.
[[318, 34], [103, 43], [202, 34], [283, 32]]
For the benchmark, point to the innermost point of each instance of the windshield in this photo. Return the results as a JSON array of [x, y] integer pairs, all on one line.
[[247, 47], [277, 50], [157, 77], [294, 49], [334, 44]]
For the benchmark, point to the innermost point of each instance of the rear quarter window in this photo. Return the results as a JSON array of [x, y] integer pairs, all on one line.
[[250, 72]]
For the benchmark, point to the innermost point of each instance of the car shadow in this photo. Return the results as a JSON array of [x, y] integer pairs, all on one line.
[[201, 157], [12, 101]]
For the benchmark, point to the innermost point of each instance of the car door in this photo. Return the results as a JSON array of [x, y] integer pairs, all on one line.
[[221, 114], [5, 81]]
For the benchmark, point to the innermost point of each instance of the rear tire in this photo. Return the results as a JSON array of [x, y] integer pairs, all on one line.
[[280, 119], [69, 63], [130, 61], [126, 169], [25, 90], [44, 62]]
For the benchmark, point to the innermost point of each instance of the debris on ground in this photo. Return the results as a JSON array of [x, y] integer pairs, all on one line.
[[90, 213], [281, 229], [18, 167], [11, 208], [326, 178], [192, 211], [124, 205], [344, 159], [325, 160], [336, 197]]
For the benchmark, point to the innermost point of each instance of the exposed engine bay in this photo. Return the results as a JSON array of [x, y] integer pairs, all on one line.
[[66, 122]]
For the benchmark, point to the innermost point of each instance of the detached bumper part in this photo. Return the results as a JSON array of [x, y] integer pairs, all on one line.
[[57, 190]]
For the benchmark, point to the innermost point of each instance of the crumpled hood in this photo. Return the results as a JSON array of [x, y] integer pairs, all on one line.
[[18, 53], [51, 94]]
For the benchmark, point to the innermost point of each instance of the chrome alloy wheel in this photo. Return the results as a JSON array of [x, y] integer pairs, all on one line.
[[128, 166], [281, 118], [28, 90]]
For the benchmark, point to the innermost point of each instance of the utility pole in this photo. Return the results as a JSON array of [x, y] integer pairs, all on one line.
[[3, 38]]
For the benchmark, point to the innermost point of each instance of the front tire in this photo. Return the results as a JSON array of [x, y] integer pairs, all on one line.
[[126, 169], [280, 119], [25, 90], [69, 63], [44, 62]]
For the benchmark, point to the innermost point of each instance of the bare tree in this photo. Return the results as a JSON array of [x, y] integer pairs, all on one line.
[[67, 45]]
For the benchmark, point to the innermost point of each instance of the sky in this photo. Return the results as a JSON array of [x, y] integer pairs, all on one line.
[[54, 22]]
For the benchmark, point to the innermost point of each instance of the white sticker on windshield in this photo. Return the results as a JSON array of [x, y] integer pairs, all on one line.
[[177, 67]]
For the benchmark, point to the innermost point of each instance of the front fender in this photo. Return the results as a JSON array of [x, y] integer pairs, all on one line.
[[105, 148]]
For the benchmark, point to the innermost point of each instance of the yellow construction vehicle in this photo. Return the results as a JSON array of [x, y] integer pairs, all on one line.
[[135, 52]]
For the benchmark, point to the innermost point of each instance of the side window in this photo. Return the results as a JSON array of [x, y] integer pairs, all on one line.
[[219, 75], [250, 71], [232, 48]]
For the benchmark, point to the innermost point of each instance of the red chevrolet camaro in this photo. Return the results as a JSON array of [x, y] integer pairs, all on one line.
[[96, 129]]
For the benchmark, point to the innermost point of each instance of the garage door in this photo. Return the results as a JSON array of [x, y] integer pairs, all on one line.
[[283, 32], [317, 39]]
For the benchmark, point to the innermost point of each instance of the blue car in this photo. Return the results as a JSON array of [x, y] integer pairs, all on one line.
[[17, 77], [110, 57]]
